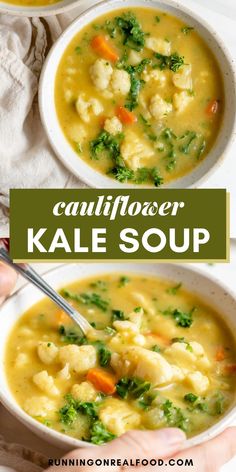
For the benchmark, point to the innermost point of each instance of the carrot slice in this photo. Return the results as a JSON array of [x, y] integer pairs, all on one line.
[[220, 354], [212, 107], [102, 380], [230, 369], [102, 47], [126, 116], [158, 338]]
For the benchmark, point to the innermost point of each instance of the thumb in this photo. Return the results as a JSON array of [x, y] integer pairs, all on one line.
[[146, 444], [136, 445], [7, 280]]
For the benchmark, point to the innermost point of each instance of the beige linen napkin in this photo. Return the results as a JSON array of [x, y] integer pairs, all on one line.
[[21, 459], [26, 158]]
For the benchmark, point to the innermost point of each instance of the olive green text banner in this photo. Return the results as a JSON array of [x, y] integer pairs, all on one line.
[[88, 224]]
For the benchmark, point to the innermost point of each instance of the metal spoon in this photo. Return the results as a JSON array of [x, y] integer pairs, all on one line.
[[29, 274]]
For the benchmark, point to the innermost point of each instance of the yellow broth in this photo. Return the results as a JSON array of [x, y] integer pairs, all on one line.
[[32, 3], [169, 344], [178, 109]]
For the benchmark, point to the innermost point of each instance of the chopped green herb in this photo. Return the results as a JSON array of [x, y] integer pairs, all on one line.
[[187, 29], [133, 35], [87, 299], [117, 315], [124, 280], [158, 19], [185, 148], [109, 144], [201, 149], [156, 348], [99, 284], [190, 397], [99, 434], [172, 62], [110, 331], [182, 318], [175, 289], [104, 354], [136, 83], [72, 335], [78, 50], [138, 309], [122, 173], [184, 341], [134, 387], [175, 416]]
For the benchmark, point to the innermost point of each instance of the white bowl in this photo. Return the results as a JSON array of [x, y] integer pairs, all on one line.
[[46, 10], [49, 115], [209, 289]]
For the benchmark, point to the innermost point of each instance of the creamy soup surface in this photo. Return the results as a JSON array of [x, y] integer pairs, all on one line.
[[159, 357], [139, 96], [32, 3]]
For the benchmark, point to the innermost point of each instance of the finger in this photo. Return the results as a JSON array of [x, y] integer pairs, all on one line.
[[136, 445], [7, 280], [209, 456]]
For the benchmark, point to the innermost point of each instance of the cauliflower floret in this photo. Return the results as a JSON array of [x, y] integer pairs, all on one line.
[[136, 317], [84, 392], [77, 132], [158, 107], [47, 352], [121, 366], [183, 78], [64, 373], [146, 364], [198, 382], [120, 82], [155, 75], [181, 100], [126, 327], [159, 45], [46, 383], [100, 73], [113, 125], [79, 358], [188, 354], [118, 417], [146, 304], [39, 406], [178, 373], [134, 58], [134, 151], [85, 108], [21, 360]]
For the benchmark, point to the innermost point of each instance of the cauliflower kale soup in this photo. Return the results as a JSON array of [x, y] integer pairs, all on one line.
[[158, 357], [139, 96]]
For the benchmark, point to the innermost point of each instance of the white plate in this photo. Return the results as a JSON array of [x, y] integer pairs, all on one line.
[[46, 10]]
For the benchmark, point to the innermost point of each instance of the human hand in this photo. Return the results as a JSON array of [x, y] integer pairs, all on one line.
[[161, 444], [7, 281]]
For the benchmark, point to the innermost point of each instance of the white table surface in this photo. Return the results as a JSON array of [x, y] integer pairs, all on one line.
[[14, 431]]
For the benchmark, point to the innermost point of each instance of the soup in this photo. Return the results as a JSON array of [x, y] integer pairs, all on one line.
[[139, 96], [158, 357], [32, 3]]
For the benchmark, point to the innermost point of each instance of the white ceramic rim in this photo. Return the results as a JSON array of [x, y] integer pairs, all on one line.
[[61, 146], [174, 272], [41, 11]]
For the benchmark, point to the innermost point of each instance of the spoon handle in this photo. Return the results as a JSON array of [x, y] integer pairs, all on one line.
[[29, 274]]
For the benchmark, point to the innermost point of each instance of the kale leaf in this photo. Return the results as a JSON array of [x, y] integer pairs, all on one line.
[[128, 25], [87, 299]]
